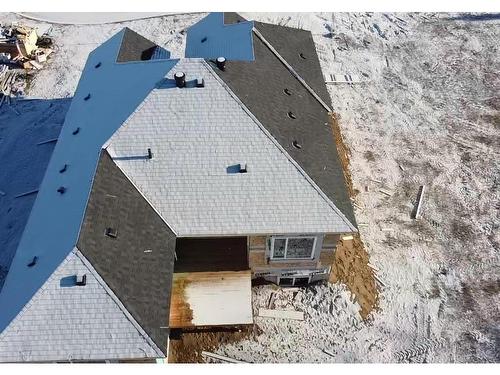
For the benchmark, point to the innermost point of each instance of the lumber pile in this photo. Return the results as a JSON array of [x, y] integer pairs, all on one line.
[[21, 50]]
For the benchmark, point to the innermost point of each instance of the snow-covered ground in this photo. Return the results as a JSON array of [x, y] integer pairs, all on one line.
[[428, 114]]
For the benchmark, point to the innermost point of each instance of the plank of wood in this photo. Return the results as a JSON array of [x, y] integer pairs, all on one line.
[[386, 192], [420, 200], [281, 314], [221, 357], [347, 238]]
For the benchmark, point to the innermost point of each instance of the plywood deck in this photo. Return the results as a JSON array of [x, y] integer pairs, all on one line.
[[211, 299]]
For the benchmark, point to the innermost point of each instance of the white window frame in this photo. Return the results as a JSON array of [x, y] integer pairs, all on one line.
[[286, 238]]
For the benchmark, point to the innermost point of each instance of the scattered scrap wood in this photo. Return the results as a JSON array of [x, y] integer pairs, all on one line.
[[387, 229], [221, 357], [362, 224], [378, 279], [347, 238], [328, 352], [348, 78], [374, 180], [281, 314], [419, 201], [386, 192]]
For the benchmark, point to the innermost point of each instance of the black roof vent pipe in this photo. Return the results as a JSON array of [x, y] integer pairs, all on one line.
[[221, 63], [180, 79]]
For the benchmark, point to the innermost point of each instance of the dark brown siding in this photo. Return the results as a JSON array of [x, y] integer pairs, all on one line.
[[211, 254]]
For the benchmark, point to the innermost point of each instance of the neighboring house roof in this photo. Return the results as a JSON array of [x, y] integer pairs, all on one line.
[[106, 95], [64, 321], [260, 86], [137, 264], [197, 136], [28, 134], [211, 38]]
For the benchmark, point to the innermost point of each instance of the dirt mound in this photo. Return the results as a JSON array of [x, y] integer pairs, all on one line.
[[351, 268]]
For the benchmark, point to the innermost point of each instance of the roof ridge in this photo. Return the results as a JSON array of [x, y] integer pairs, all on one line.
[[291, 69], [116, 300], [281, 148], [140, 192]]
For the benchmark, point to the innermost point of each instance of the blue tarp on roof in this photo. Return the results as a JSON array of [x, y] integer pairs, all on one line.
[[108, 92], [210, 39]]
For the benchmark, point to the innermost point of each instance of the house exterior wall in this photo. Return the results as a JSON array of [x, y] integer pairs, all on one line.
[[317, 268]]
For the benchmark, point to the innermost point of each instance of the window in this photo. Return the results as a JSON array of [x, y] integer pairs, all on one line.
[[292, 247]]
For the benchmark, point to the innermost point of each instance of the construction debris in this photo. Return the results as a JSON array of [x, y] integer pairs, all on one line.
[[11, 83], [221, 357], [386, 192], [21, 50], [419, 201], [281, 314], [345, 78]]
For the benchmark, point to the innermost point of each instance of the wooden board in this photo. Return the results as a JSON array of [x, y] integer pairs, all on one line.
[[282, 314], [211, 299]]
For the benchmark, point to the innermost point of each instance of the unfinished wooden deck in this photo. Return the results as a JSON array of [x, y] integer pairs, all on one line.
[[202, 299]]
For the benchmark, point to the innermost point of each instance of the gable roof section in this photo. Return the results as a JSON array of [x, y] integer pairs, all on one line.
[[197, 136], [233, 17], [106, 95], [211, 38], [64, 321], [27, 139], [260, 86], [137, 264], [135, 47]]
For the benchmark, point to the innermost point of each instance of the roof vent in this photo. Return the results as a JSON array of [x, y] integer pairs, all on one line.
[[221, 63], [87, 97], [204, 39], [296, 144], [33, 261], [63, 169], [76, 131], [111, 232], [302, 56], [150, 154], [291, 115], [287, 91], [200, 82], [98, 65], [180, 79], [243, 168], [61, 190], [81, 280]]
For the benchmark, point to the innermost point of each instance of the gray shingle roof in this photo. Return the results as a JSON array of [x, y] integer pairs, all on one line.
[[195, 135], [68, 322], [260, 85], [137, 264]]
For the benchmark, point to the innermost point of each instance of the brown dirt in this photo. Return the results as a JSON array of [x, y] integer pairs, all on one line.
[[343, 151], [351, 268], [188, 347], [351, 259]]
